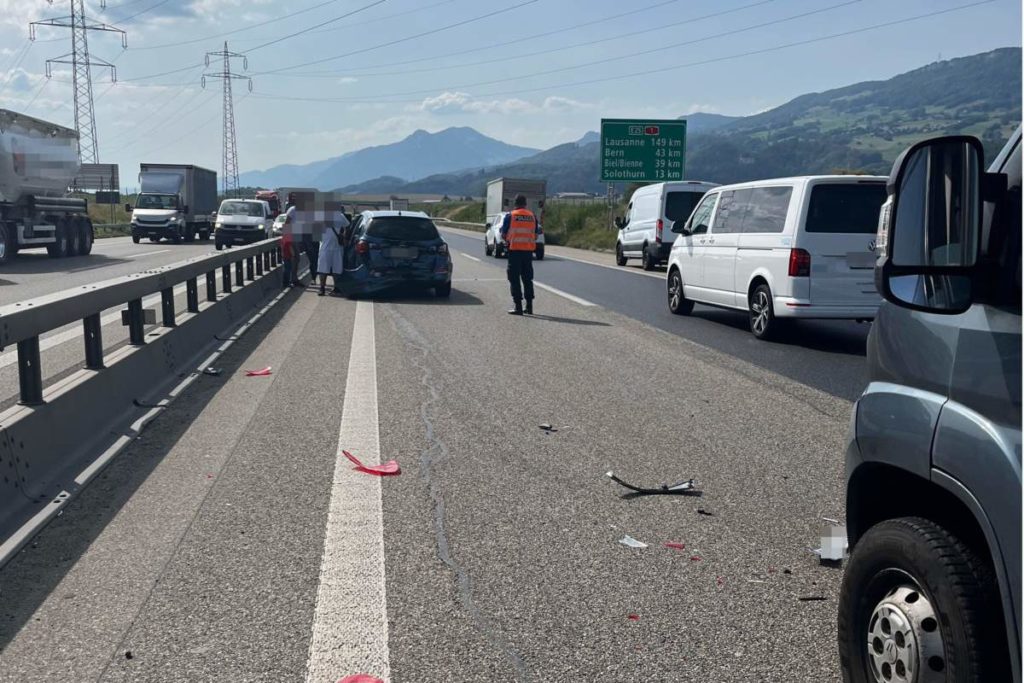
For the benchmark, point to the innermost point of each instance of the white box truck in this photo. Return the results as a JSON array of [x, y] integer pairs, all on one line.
[[176, 201], [38, 160], [501, 195]]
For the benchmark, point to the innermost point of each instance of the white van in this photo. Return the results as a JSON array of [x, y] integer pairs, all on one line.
[[784, 248], [242, 221], [644, 232]]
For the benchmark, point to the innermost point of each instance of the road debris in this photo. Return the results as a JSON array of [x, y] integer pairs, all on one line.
[[548, 429], [129, 655], [360, 678], [706, 513], [215, 372], [696, 558], [265, 372], [682, 487], [834, 546], [632, 542], [674, 545], [812, 598], [633, 617], [389, 468]]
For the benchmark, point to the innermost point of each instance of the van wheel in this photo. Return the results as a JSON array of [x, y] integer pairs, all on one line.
[[646, 260], [917, 605], [677, 302], [136, 239], [488, 250], [85, 237], [762, 313], [620, 260]]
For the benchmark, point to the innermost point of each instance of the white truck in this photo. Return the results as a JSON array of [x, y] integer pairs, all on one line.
[[38, 160], [501, 194], [176, 201]]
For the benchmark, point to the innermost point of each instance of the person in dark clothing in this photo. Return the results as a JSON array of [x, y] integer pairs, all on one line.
[[519, 231]]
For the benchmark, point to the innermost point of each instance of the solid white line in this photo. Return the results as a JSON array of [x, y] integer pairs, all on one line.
[[146, 253], [620, 269], [471, 258], [565, 295], [350, 625]]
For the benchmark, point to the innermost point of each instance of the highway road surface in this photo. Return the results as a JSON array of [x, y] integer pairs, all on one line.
[[232, 541]]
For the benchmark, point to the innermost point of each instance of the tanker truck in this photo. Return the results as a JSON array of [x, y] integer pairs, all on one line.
[[38, 160]]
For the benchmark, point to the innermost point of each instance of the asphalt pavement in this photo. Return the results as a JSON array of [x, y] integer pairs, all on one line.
[[199, 553]]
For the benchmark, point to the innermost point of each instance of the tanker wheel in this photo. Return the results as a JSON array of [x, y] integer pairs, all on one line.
[[5, 245], [85, 236]]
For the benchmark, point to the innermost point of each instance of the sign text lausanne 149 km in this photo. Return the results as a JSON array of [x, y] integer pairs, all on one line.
[[642, 150]]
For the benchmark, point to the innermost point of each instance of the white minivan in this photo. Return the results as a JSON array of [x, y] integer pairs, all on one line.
[[644, 232], [785, 248]]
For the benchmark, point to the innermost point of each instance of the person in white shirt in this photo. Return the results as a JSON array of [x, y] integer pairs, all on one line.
[[331, 258]]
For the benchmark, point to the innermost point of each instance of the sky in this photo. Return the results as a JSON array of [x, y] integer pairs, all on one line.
[[333, 76]]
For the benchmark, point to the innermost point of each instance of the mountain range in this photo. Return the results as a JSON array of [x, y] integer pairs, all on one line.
[[857, 128]]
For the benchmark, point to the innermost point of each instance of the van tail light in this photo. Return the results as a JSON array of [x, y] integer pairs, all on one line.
[[362, 247], [658, 230], [799, 263], [442, 249]]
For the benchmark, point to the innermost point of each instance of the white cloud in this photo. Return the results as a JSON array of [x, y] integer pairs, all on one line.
[[463, 103], [557, 103]]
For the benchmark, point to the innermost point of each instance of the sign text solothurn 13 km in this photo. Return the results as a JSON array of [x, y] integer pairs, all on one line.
[[642, 151]]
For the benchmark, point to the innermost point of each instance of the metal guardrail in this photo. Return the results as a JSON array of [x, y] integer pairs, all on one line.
[[24, 322]]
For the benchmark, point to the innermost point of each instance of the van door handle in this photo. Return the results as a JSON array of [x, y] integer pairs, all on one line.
[[711, 241]]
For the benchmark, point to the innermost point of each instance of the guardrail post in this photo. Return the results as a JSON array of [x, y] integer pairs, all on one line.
[[136, 323], [30, 372], [192, 295], [249, 268], [93, 335], [259, 263], [225, 276], [167, 304], [239, 278], [211, 286]]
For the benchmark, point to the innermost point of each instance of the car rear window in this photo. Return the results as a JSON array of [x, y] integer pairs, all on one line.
[[404, 229], [679, 205], [849, 208]]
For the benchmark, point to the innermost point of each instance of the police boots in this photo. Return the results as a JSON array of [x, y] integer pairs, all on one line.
[[517, 309]]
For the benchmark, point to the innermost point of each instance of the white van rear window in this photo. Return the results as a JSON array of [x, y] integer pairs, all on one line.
[[679, 205], [851, 209]]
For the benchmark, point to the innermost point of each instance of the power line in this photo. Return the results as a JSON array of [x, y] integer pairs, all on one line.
[[402, 40], [140, 13], [14, 68], [320, 25]]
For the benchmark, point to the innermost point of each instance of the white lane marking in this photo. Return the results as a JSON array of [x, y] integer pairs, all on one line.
[[146, 253], [350, 625], [64, 337], [566, 295], [471, 258]]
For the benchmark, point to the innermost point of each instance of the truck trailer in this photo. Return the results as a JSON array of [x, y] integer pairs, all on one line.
[[501, 193], [38, 160], [176, 201]]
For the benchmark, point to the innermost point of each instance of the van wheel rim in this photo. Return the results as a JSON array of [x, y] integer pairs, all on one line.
[[675, 291], [904, 642], [761, 310]]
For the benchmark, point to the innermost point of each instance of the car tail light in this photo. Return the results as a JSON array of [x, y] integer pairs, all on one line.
[[362, 247], [442, 249], [799, 263], [658, 230]]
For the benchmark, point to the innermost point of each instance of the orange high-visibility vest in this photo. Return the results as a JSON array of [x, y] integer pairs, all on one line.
[[522, 231]]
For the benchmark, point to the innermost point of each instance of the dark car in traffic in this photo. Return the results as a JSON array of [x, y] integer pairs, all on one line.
[[396, 249]]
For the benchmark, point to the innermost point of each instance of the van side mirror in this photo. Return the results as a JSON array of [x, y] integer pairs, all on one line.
[[127, 208], [929, 228], [678, 227], [620, 222]]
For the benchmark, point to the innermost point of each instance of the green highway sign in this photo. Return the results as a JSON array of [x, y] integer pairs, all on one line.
[[642, 150]]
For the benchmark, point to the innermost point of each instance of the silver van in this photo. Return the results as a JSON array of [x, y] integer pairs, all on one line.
[[933, 498], [644, 230]]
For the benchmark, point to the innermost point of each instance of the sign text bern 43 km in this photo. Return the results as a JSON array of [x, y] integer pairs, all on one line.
[[642, 151]]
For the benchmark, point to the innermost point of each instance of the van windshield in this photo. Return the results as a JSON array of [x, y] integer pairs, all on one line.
[[241, 209], [851, 208], [679, 205], [157, 201], [403, 229]]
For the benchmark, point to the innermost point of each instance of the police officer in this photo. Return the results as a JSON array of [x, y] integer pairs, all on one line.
[[519, 231]]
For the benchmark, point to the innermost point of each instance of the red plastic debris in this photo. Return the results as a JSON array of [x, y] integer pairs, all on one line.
[[720, 581], [696, 558], [265, 372], [387, 469], [633, 617], [674, 545], [360, 678], [209, 476]]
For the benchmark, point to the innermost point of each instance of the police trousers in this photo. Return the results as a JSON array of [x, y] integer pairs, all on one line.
[[520, 274]]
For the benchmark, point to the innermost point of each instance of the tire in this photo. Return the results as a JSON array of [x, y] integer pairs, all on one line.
[[176, 236], [60, 248], [540, 252], [190, 234], [219, 246], [6, 252], [86, 237], [646, 260], [204, 235], [136, 239], [497, 251], [444, 291], [763, 323], [942, 595], [74, 237], [677, 301], [488, 250], [620, 260]]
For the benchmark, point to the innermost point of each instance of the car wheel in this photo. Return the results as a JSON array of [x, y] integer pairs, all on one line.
[[444, 291], [620, 260], [540, 252], [5, 245], [136, 239], [85, 237], [488, 250], [677, 302], [762, 313], [648, 262], [918, 605], [219, 246]]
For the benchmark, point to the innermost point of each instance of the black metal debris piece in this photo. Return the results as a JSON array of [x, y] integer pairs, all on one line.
[[681, 488], [812, 598], [548, 428], [216, 372], [706, 513]]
